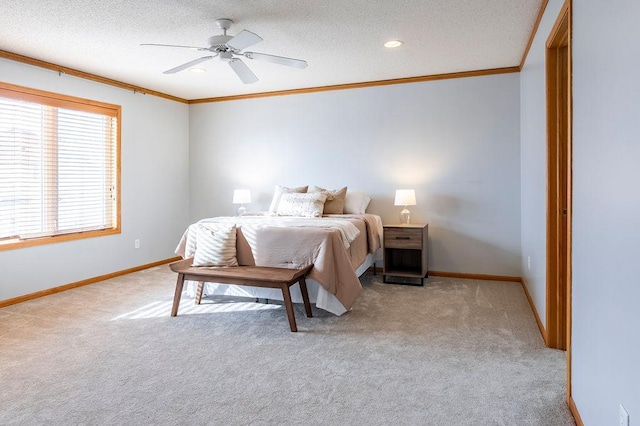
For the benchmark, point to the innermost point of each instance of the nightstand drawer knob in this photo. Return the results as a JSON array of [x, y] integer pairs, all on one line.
[[403, 238]]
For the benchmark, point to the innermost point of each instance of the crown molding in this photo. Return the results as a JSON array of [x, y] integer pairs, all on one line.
[[405, 80], [88, 76]]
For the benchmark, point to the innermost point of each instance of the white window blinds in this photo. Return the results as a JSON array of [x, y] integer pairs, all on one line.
[[59, 165]]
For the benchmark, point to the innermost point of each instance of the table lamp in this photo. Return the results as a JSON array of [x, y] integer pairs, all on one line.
[[241, 196], [405, 197]]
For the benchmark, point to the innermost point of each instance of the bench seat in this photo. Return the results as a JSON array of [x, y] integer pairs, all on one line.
[[255, 276]]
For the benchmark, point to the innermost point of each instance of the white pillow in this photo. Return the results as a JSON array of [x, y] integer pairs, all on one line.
[[307, 205], [215, 245], [356, 203], [284, 190]]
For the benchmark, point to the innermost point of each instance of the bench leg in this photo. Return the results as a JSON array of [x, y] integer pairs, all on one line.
[[289, 305], [199, 292], [177, 295], [305, 296]]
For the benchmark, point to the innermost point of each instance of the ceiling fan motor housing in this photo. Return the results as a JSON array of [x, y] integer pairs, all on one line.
[[218, 42]]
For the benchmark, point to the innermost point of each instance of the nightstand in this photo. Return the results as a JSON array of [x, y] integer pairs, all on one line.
[[405, 253]]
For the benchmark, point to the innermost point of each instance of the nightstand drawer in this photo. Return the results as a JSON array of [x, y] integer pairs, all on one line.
[[403, 238]]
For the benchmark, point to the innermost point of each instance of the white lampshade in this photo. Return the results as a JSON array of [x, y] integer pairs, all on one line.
[[405, 197], [241, 196]]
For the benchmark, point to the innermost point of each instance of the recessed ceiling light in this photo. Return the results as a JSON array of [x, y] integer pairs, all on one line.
[[393, 43], [197, 70]]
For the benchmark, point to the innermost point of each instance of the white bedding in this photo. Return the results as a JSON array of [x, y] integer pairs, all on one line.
[[348, 230]]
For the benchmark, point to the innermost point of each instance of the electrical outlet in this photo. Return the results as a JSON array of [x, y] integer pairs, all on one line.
[[136, 243], [623, 416], [529, 262]]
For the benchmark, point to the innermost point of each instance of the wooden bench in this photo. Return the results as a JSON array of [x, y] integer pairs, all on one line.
[[256, 276]]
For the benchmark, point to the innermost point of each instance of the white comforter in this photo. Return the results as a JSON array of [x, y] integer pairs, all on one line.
[[348, 231]]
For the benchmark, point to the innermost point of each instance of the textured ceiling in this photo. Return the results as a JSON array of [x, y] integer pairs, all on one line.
[[340, 39]]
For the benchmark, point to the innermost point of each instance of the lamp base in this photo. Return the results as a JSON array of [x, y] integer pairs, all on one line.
[[405, 216], [242, 210]]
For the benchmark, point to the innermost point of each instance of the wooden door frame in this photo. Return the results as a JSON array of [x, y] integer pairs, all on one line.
[[559, 184]]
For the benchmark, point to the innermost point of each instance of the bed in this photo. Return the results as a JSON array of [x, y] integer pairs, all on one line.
[[340, 246]]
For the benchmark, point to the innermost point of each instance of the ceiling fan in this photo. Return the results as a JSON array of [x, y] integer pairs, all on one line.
[[228, 49]]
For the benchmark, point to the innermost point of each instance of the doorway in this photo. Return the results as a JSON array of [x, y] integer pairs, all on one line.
[[558, 74]]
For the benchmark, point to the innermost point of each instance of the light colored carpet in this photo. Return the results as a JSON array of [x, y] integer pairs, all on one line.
[[456, 352]]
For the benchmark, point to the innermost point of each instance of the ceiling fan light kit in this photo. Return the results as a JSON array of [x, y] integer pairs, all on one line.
[[229, 49], [393, 43]]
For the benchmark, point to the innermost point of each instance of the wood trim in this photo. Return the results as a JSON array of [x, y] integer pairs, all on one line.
[[406, 80], [486, 277], [553, 217], [31, 296], [58, 100], [569, 247], [535, 311], [560, 25], [119, 173], [137, 89], [88, 76], [574, 411], [534, 31], [558, 86], [559, 231], [53, 239], [507, 278]]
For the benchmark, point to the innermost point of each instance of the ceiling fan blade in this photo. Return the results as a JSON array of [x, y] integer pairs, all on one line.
[[290, 62], [188, 65], [174, 45], [244, 39], [243, 71]]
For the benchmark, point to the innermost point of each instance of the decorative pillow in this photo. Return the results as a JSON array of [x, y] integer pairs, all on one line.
[[307, 205], [335, 199], [356, 203], [215, 245], [284, 190]]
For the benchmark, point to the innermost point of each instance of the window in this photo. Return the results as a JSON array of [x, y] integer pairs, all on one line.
[[59, 167]]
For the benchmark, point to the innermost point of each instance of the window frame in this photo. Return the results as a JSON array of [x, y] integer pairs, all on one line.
[[57, 100]]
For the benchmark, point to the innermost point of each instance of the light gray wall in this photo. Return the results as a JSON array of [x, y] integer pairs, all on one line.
[[533, 171], [155, 189], [606, 203], [456, 142], [606, 207]]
